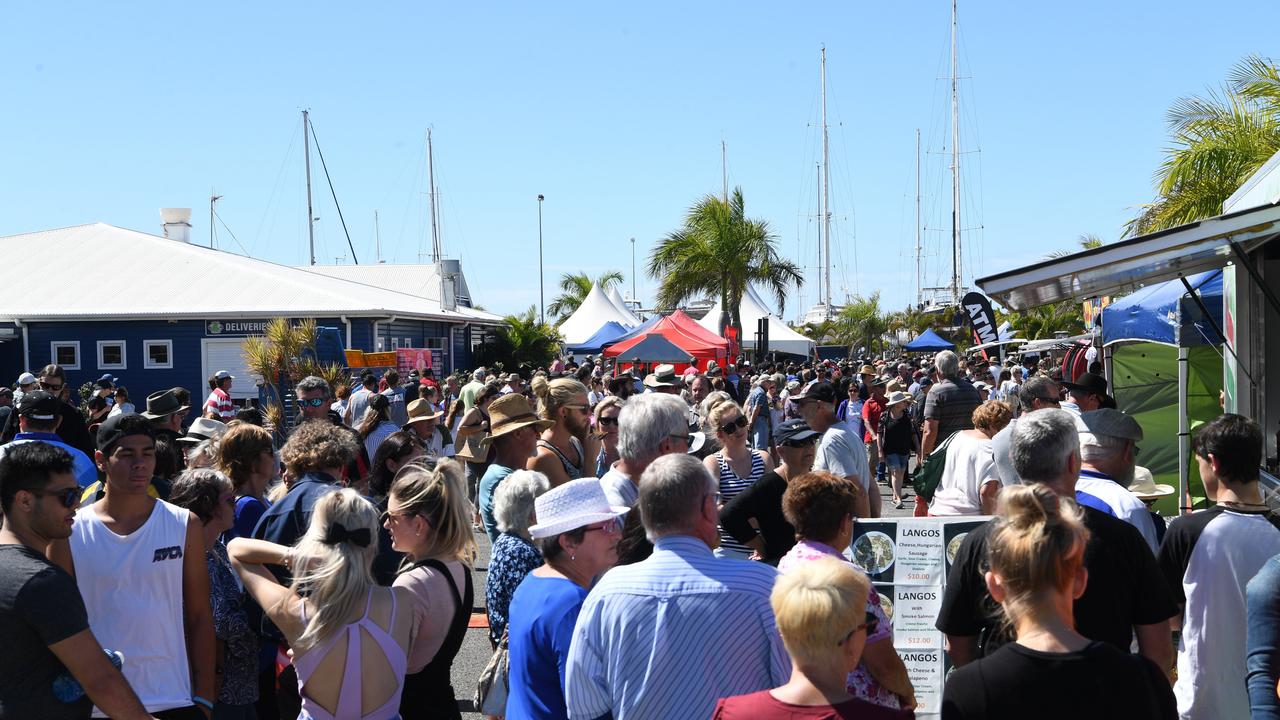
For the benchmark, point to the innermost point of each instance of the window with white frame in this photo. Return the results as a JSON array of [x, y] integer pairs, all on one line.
[[157, 354], [66, 353], [111, 355]]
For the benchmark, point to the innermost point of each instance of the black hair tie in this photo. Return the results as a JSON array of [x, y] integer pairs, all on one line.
[[338, 533]]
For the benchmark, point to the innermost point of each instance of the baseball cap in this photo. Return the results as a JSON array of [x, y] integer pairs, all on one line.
[[118, 427], [39, 405], [26, 378], [1112, 423], [223, 375], [819, 391], [792, 431]]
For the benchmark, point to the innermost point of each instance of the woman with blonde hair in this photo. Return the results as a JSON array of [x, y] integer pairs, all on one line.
[[737, 466], [565, 448], [606, 427], [1035, 552], [428, 516], [349, 637], [820, 608], [247, 456], [970, 481]]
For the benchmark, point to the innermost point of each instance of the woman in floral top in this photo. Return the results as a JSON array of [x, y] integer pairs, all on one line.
[[820, 506], [514, 555], [208, 494]]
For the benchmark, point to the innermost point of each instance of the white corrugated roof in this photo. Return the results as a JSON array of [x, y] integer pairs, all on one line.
[[104, 271], [421, 280]]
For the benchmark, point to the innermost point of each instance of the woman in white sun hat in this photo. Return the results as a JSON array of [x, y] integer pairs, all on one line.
[[577, 532]]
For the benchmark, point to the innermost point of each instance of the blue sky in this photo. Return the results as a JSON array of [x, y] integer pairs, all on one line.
[[616, 113]]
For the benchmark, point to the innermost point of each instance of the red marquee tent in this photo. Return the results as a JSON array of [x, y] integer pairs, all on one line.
[[679, 330]]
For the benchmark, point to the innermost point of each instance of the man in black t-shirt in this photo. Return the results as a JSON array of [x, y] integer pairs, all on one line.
[[1125, 594], [51, 666]]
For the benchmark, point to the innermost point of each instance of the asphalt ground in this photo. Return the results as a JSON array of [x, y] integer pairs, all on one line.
[[475, 651]]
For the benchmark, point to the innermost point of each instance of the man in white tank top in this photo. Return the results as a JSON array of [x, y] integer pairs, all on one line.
[[139, 563]]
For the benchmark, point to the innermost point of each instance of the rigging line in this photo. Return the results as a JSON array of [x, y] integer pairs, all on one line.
[[332, 191], [274, 188], [233, 235]]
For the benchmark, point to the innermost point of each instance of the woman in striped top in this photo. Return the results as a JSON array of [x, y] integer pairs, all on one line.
[[736, 465]]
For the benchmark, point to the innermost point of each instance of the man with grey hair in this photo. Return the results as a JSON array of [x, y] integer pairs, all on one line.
[[1125, 595], [1036, 394], [690, 612], [312, 395], [649, 426], [949, 406], [471, 389], [1108, 456]]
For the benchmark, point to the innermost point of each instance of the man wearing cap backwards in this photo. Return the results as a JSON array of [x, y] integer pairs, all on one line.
[[26, 383], [513, 429], [218, 405], [840, 452], [1108, 452], [38, 421], [1125, 594], [668, 636], [424, 423], [1088, 392], [51, 659], [1208, 558], [72, 429], [140, 566]]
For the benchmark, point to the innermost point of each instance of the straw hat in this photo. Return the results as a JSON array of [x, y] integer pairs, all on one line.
[[663, 376], [512, 412], [1145, 487], [571, 506], [204, 429], [420, 410], [896, 397]]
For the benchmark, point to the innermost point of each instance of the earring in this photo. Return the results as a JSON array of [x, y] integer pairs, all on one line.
[[573, 557]]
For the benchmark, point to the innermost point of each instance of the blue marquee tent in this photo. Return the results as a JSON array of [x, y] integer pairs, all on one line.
[[1165, 314], [928, 341], [641, 329], [606, 335]]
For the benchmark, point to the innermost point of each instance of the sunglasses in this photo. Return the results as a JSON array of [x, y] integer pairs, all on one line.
[[869, 624], [688, 439], [311, 402], [801, 443], [609, 421], [730, 428], [69, 497], [50, 386], [610, 526], [388, 515]]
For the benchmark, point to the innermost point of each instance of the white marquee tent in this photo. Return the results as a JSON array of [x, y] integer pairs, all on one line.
[[596, 310], [781, 337], [619, 303]]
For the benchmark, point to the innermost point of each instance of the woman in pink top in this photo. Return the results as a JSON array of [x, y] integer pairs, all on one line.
[[349, 637], [820, 507], [820, 610]]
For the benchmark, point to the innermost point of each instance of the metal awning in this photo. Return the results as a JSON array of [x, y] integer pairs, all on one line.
[[1122, 267]]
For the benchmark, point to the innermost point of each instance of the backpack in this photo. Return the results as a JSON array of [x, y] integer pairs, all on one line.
[[929, 474]]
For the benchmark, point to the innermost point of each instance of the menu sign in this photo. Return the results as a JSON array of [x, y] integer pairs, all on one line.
[[908, 560]]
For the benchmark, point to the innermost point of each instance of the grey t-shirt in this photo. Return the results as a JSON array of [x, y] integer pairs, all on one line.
[[842, 453], [619, 489], [39, 606], [1001, 445], [951, 403]]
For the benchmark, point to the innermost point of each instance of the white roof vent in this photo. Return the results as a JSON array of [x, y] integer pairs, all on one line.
[[177, 223]]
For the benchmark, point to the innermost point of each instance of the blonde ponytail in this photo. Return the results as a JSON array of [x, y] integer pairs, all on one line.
[[1036, 546]]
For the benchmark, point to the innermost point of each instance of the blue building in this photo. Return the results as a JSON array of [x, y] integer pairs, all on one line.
[[158, 312]]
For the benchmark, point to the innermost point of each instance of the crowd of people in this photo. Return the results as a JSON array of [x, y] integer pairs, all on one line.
[[665, 542]]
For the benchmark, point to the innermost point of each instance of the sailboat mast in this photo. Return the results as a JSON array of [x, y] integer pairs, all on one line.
[[956, 281], [826, 193], [306, 154], [431, 196], [919, 285]]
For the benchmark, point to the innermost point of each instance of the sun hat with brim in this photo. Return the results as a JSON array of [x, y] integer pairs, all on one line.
[[204, 429], [896, 397], [866, 370], [1089, 383], [662, 376], [420, 410], [572, 505], [512, 412], [163, 404], [1145, 487]]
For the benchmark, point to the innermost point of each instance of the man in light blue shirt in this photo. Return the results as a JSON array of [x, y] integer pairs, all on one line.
[[38, 420], [670, 635]]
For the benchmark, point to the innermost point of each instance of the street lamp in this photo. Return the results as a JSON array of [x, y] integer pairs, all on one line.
[[542, 302], [633, 271]]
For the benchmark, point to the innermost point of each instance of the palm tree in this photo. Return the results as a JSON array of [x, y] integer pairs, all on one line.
[[1087, 241], [861, 324], [521, 341], [574, 288], [1219, 140], [1042, 322], [718, 252]]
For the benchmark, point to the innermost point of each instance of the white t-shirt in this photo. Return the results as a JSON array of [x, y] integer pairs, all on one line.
[[970, 465], [842, 453]]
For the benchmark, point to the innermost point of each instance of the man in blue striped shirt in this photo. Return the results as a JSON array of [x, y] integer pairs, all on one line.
[[668, 636]]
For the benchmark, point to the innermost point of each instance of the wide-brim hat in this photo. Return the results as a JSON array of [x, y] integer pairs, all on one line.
[[1145, 487], [163, 403], [866, 370], [662, 376], [572, 505], [1088, 382], [421, 410], [896, 397], [204, 429], [512, 412]]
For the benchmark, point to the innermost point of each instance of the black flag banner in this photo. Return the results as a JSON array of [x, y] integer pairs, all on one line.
[[981, 318]]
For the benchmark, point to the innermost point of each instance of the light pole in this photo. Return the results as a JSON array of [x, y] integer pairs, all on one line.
[[542, 303], [633, 272]]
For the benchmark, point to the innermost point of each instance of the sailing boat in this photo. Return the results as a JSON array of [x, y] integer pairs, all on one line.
[[955, 289], [824, 309]]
